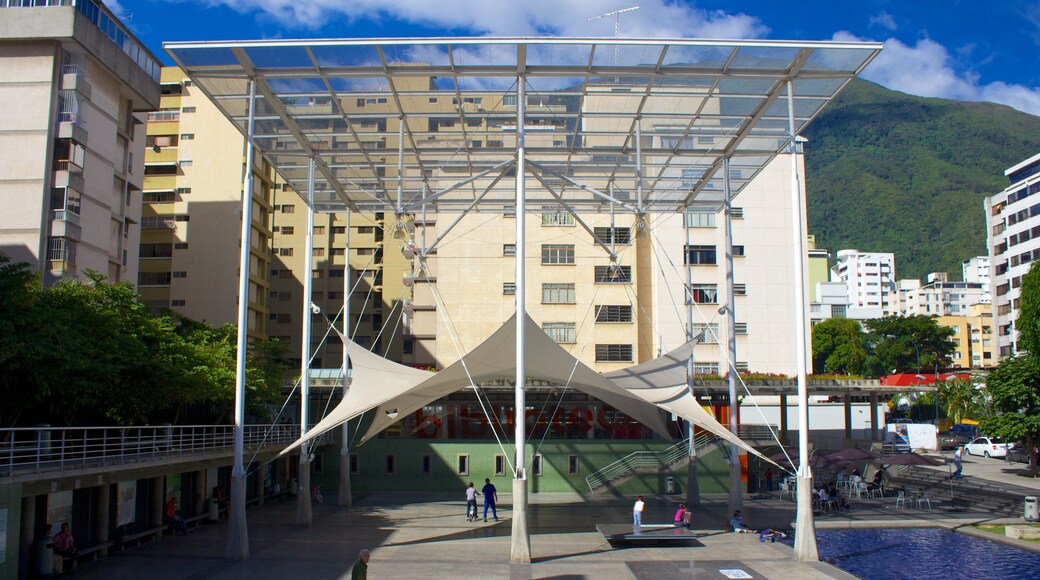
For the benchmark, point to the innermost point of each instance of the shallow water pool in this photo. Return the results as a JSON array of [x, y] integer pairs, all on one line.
[[923, 553]]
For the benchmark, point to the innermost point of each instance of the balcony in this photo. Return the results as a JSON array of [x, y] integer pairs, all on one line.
[[65, 224], [164, 116], [67, 165]]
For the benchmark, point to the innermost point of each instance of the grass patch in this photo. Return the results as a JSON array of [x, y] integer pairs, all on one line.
[[999, 530]]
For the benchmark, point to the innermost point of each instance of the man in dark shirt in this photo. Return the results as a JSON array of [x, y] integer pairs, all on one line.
[[490, 498], [360, 569]]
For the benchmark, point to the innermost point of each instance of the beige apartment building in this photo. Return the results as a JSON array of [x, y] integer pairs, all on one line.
[[975, 337], [77, 84], [191, 219]]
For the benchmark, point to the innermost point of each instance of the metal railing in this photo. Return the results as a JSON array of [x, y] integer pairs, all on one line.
[[46, 449], [769, 432], [645, 460], [164, 116]]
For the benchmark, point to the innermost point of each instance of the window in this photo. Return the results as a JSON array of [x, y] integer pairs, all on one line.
[[315, 274], [337, 273], [703, 294], [187, 109], [572, 465], [536, 464], [710, 331], [463, 464], [738, 251], [181, 274], [509, 249], [740, 328], [187, 136], [737, 213], [319, 230], [554, 215], [620, 313], [838, 311], [426, 463], [287, 252], [353, 463], [509, 288], [557, 293], [700, 219], [613, 274], [391, 464], [180, 246], [703, 368], [177, 303], [696, 255], [613, 353], [288, 208], [740, 289], [317, 252], [500, 465], [287, 230], [338, 252], [557, 254], [613, 235], [561, 332], [153, 278], [508, 210]]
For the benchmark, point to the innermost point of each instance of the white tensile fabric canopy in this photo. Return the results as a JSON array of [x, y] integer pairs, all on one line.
[[395, 390]]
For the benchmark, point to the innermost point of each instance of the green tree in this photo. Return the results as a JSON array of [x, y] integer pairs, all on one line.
[[21, 349], [962, 399], [1014, 387], [1028, 322], [839, 346], [905, 343]]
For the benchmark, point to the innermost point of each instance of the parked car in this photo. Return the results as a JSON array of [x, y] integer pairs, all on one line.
[[959, 434], [1019, 454], [987, 446]]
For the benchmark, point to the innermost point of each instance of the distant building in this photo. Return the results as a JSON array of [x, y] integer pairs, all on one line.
[[869, 277], [977, 270], [939, 296], [75, 82], [975, 337], [1013, 235]]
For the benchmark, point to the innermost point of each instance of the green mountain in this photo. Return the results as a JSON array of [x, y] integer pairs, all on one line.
[[890, 172]]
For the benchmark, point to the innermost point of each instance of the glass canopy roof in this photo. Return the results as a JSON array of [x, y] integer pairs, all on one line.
[[396, 123]]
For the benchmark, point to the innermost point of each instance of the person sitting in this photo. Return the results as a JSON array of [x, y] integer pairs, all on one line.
[[739, 525], [837, 500], [220, 499], [65, 548], [876, 482], [170, 511], [683, 517], [824, 499], [771, 535], [842, 476]]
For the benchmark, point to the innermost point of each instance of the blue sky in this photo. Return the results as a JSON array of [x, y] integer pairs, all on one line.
[[970, 50]]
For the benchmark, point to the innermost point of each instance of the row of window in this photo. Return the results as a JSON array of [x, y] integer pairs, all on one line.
[[462, 464]]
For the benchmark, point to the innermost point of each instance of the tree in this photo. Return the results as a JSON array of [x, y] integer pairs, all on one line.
[[905, 343], [1014, 387], [1028, 322], [19, 348], [962, 399], [839, 346]]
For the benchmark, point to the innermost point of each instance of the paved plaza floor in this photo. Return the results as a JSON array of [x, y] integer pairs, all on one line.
[[427, 536]]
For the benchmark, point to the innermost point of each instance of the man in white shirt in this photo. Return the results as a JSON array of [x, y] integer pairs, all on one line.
[[637, 512]]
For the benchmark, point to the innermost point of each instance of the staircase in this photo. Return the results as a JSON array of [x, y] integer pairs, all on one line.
[[642, 461], [976, 495]]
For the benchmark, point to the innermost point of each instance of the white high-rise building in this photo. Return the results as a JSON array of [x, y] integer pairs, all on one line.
[[1013, 231], [870, 278], [977, 270], [939, 296]]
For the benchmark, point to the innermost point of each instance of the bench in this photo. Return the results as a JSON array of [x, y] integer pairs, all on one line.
[[93, 552], [649, 533], [137, 537]]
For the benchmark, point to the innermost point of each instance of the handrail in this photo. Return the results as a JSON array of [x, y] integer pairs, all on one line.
[[645, 459], [27, 450]]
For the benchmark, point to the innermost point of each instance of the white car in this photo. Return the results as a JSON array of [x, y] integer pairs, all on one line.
[[987, 446]]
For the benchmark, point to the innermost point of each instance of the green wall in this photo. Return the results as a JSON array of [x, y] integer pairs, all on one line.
[[443, 476]]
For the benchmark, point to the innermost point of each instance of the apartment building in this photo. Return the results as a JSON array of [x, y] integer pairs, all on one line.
[[72, 149], [938, 296], [191, 219], [1013, 236], [975, 337], [977, 270], [870, 278]]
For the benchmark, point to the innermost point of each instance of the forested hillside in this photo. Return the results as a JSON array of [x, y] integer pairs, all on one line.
[[890, 172]]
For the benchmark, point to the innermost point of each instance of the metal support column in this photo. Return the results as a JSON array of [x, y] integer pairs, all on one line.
[[847, 400], [238, 534], [693, 488], [736, 494], [873, 416], [520, 552], [304, 514], [345, 495], [783, 420], [805, 525]]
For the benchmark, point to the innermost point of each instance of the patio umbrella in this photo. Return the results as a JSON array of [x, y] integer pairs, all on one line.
[[849, 456]]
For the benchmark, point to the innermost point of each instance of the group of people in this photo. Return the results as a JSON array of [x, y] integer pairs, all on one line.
[[490, 499], [56, 553]]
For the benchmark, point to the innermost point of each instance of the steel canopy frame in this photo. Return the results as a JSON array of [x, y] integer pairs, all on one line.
[[676, 123], [387, 120]]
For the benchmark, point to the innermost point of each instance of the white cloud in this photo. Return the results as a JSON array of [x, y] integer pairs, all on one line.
[[884, 20], [655, 18], [925, 69]]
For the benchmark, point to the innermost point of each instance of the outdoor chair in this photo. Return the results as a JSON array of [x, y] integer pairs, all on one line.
[[926, 500], [785, 490], [901, 499]]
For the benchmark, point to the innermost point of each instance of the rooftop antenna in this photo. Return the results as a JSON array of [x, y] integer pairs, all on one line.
[[617, 28]]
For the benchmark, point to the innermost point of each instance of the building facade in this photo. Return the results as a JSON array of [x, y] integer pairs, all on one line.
[[190, 223], [1013, 235], [977, 270], [939, 296], [870, 278], [975, 337], [71, 168]]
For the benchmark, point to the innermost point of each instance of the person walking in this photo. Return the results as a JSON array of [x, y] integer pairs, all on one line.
[[637, 512], [471, 503], [490, 498], [957, 463], [360, 569]]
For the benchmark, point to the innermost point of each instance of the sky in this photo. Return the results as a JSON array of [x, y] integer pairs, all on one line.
[[969, 50]]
